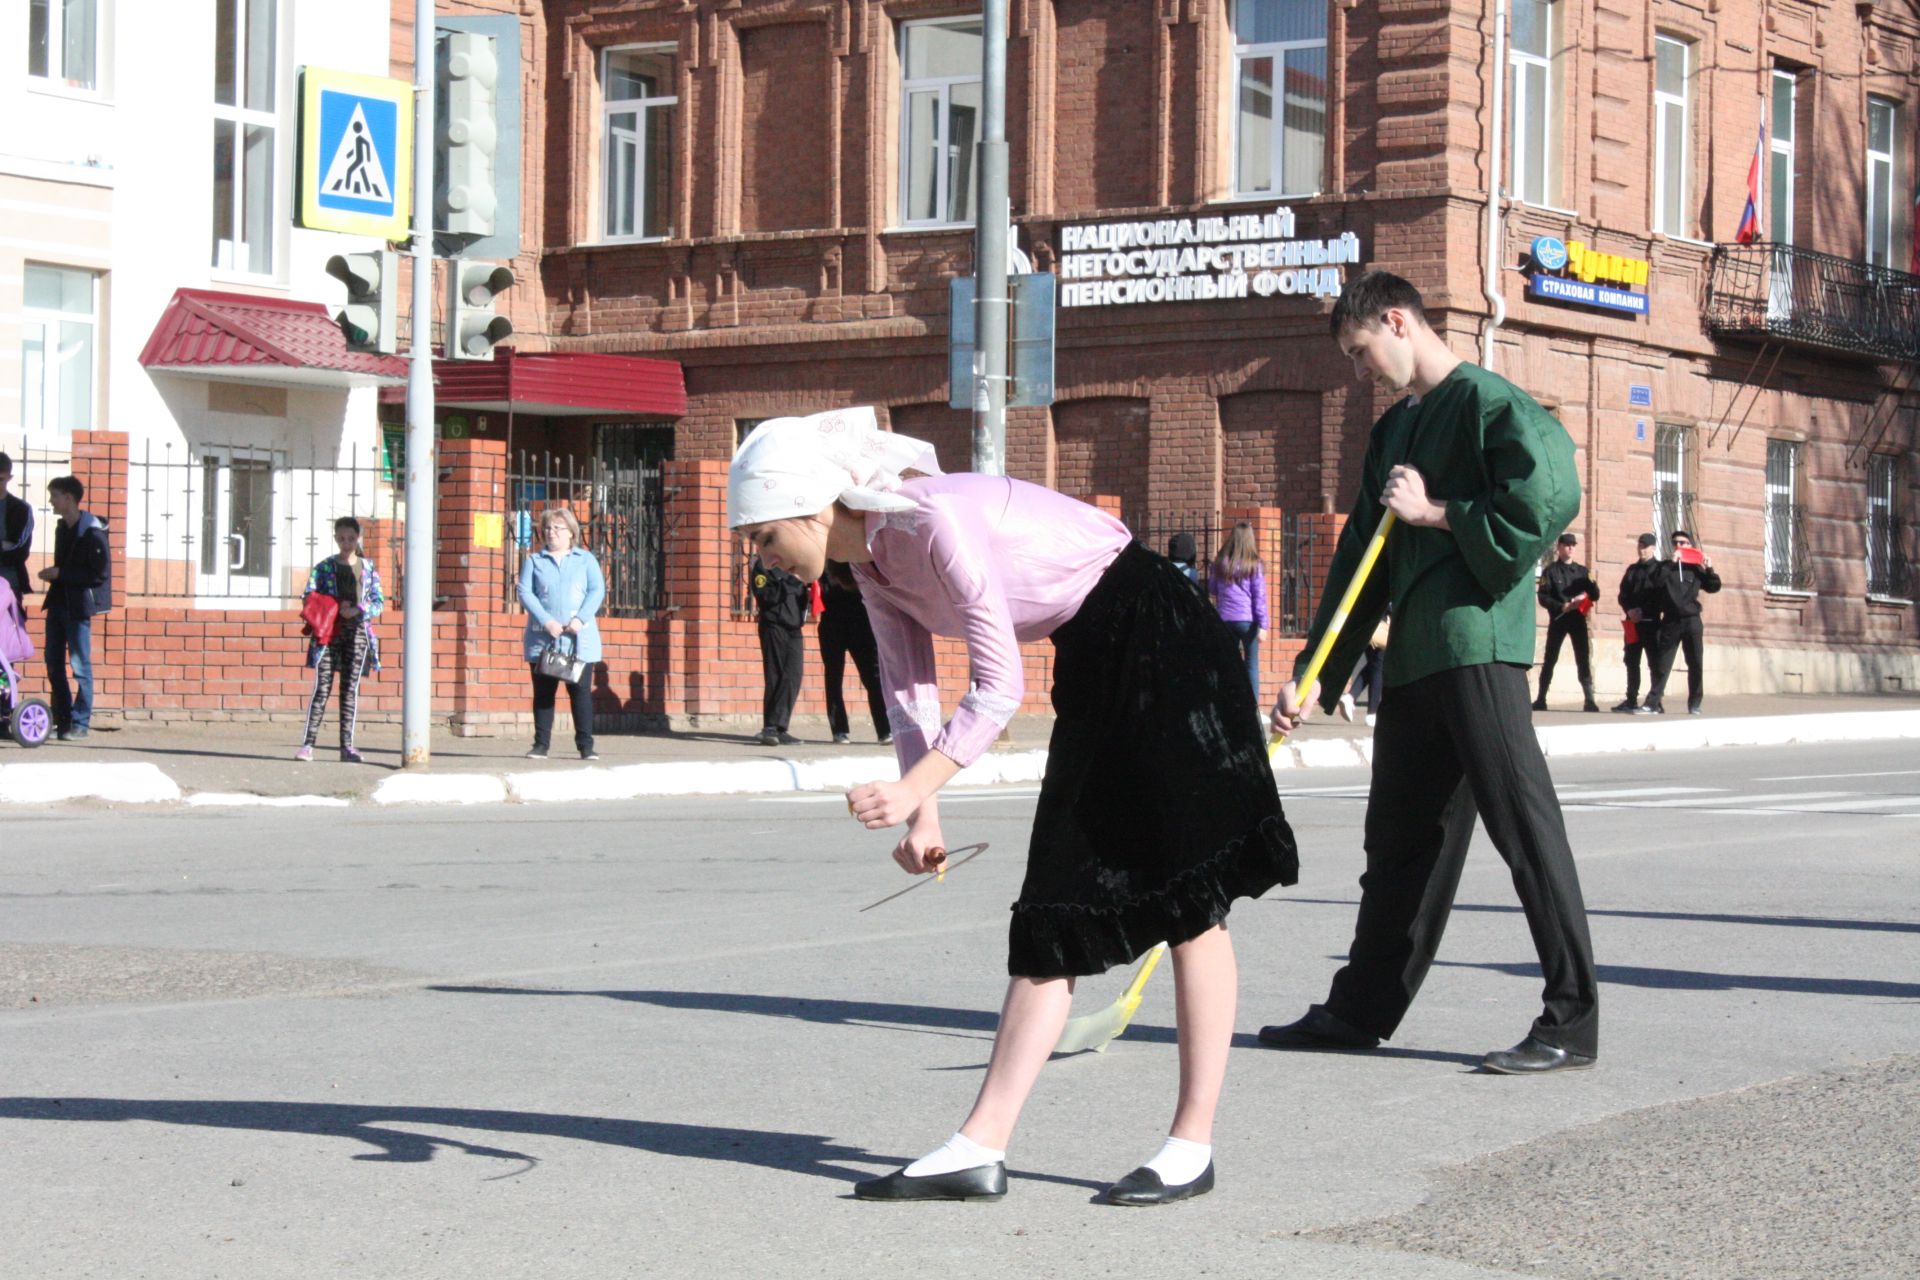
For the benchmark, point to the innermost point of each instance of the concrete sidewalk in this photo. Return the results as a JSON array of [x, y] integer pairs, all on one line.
[[240, 763]]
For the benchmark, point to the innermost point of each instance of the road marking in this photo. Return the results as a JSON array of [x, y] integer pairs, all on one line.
[[1879, 802], [1815, 777], [1737, 799], [1571, 793]]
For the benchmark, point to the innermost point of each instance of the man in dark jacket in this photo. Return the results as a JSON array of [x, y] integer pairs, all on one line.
[[846, 631], [1641, 628], [1566, 592], [16, 533], [1675, 591], [780, 600], [79, 586]]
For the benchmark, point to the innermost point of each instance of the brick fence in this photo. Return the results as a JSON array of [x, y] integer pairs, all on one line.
[[693, 663]]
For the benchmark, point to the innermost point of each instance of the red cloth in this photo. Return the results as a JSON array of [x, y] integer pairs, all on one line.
[[1633, 632], [318, 614], [816, 603], [1690, 555], [1584, 604]]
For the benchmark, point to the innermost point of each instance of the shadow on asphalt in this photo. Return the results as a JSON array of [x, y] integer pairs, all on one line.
[[1704, 917], [924, 1019], [1627, 975]]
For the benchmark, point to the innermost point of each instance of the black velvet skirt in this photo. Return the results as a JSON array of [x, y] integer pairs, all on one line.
[[1159, 807]]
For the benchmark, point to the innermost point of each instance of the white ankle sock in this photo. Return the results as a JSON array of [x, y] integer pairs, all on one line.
[[956, 1153], [1180, 1161]]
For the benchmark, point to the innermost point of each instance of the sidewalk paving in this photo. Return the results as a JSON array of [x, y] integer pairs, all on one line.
[[252, 763]]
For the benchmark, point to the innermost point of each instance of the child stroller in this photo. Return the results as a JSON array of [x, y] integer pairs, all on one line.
[[28, 721]]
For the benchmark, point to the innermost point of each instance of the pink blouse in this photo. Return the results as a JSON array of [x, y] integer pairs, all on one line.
[[992, 561]]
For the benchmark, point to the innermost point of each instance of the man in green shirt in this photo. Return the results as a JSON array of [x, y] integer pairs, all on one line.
[[1481, 480]]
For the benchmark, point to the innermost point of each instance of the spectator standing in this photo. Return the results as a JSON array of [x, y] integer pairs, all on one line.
[[1638, 619], [1238, 584], [16, 534], [562, 589], [845, 630], [1182, 551], [1567, 592], [79, 589], [352, 651], [780, 602], [1675, 591]]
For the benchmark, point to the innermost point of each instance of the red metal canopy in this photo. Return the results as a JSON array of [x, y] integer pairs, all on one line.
[[559, 383], [238, 336]]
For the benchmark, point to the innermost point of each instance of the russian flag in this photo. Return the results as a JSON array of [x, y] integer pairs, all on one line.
[[1749, 228]]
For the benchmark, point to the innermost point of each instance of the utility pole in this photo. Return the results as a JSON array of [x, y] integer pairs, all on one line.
[[992, 217], [416, 693]]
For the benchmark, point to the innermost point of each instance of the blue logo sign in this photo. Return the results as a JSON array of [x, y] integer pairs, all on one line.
[[359, 137], [1549, 254], [1558, 289]]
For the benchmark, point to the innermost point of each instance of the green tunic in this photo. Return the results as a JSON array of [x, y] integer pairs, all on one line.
[[1463, 595]]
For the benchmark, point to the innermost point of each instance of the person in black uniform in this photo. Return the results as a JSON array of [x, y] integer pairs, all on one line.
[[780, 600], [1566, 593], [1642, 626], [1675, 590], [844, 629]]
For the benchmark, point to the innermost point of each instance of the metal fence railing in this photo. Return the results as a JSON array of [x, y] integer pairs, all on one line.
[[622, 515], [1787, 563], [1841, 304], [1292, 586], [1303, 565], [1889, 571]]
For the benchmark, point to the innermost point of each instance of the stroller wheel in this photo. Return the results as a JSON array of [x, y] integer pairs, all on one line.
[[31, 722]]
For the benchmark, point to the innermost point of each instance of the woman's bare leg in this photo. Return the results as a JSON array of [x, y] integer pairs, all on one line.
[[1030, 1024], [1205, 985]]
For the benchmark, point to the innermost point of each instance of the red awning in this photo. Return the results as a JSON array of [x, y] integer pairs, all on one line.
[[244, 338], [559, 384]]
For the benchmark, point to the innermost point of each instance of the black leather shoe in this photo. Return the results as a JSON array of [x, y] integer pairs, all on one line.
[[1626, 705], [983, 1182], [1531, 1057], [1540, 703], [1317, 1030], [1143, 1186]]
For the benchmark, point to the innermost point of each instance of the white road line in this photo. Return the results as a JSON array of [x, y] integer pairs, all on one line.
[[1737, 799], [1874, 802], [1816, 777], [1627, 793]]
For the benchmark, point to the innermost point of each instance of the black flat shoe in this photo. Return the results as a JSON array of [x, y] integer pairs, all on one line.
[[1533, 1056], [1143, 1187], [983, 1182], [1317, 1030]]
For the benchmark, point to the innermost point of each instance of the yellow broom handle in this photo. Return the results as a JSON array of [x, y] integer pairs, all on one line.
[[1339, 619]]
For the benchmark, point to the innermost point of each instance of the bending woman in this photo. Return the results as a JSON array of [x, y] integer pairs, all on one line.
[[1158, 809]]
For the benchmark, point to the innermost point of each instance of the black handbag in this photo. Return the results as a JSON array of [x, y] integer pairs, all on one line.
[[561, 660]]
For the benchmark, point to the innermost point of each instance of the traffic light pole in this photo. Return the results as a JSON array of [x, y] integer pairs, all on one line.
[[991, 218], [416, 694]]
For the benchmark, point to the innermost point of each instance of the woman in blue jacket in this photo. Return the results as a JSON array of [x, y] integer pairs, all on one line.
[[562, 588]]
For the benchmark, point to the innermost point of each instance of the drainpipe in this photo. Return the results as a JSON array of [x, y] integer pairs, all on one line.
[[1496, 303]]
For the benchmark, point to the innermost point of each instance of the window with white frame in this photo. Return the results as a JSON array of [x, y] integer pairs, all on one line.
[[939, 118], [1882, 115], [1886, 556], [1673, 462], [63, 42], [1786, 553], [57, 373], [638, 99], [1672, 133], [1280, 97], [245, 134], [1532, 102], [1780, 161]]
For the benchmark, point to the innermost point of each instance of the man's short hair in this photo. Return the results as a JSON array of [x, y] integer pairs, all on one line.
[[347, 522], [6, 465], [1679, 533], [1369, 296], [1568, 540], [69, 485]]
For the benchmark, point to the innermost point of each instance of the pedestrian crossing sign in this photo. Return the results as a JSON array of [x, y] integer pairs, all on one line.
[[356, 153]]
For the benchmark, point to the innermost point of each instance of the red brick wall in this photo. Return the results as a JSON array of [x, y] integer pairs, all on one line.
[[1104, 66], [1101, 447], [949, 431], [1271, 449], [785, 127]]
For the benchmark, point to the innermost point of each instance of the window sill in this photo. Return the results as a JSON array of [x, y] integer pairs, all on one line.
[[1265, 197], [248, 279], [1689, 241], [614, 242], [924, 228], [52, 89], [1517, 203], [1788, 593], [1897, 602]]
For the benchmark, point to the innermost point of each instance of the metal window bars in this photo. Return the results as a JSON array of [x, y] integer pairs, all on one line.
[[621, 506]]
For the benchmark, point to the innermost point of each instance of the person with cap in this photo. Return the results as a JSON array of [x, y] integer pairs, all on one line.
[[1182, 550], [780, 614], [1158, 810], [1567, 592], [1674, 589], [1639, 619]]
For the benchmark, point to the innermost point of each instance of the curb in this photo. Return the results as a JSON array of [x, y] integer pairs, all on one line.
[[142, 783]]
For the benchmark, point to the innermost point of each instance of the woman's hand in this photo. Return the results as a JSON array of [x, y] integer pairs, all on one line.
[[554, 628], [884, 804], [922, 849], [349, 611], [574, 626]]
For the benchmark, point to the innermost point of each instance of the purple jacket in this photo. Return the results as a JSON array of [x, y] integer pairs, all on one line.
[[1242, 601]]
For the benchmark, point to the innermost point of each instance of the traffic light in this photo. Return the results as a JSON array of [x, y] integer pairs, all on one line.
[[470, 134], [368, 320], [472, 326]]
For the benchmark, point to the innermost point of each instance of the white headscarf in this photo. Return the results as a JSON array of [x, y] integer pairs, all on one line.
[[792, 467]]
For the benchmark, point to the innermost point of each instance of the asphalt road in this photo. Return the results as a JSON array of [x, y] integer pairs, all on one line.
[[659, 1038]]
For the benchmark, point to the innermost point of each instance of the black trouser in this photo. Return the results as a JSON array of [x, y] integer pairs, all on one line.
[[1677, 634], [835, 644], [347, 655], [1568, 626], [782, 652], [1649, 644], [579, 697], [1447, 748]]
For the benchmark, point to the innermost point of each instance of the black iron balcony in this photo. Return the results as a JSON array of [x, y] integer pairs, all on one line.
[[1813, 299]]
